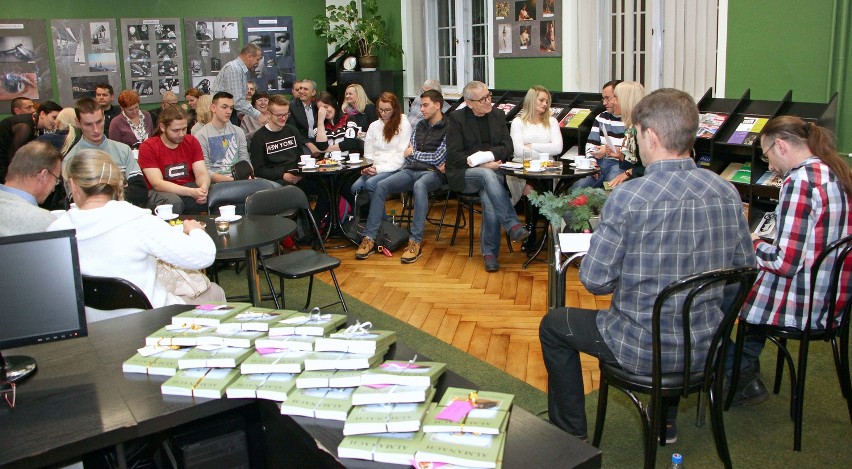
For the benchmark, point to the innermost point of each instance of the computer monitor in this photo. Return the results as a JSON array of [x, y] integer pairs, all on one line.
[[41, 296]]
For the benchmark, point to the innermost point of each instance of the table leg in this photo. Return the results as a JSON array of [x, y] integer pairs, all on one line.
[[252, 277], [555, 276]]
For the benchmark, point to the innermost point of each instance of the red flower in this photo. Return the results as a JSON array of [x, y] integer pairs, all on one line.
[[580, 200]]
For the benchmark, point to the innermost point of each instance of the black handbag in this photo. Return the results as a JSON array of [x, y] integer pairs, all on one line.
[[242, 170]]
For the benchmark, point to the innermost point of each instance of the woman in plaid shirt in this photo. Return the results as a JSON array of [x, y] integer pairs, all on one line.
[[813, 211]]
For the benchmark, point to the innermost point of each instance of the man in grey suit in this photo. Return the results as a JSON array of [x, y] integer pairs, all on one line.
[[303, 112]]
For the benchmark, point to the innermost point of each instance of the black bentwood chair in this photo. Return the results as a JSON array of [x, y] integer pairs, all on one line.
[[301, 263], [709, 378], [109, 293], [466, 202], [836, 315]]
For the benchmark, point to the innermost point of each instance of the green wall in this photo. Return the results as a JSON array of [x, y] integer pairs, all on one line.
[[307, 47], [780, 45], [391, 12], [521, 73]]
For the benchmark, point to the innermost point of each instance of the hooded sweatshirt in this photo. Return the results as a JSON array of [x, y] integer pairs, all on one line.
[[125, 241]]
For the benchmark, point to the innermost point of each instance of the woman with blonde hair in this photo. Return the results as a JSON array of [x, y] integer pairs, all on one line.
[[191, 96], [360, 111], [203, 114], [627, 95], [118, 239], [66, 134]]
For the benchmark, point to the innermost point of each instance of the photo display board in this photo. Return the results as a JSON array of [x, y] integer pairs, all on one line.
[[274, 35], [86, 54], [527, 28], [24, 62], [210, 44], [153, 60]]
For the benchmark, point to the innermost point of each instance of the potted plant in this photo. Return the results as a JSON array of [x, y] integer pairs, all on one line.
[[363, 34], [576, 211]]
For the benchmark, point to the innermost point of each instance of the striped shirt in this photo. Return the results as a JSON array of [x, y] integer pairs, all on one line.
[[812, 212], [614, 130], [233, 78], [676, 221]]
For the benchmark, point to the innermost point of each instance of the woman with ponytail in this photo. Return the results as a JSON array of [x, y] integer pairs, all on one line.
[[813, 211]]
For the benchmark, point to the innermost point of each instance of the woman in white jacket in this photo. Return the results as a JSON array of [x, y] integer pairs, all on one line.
[[117, 239], [385, 144]]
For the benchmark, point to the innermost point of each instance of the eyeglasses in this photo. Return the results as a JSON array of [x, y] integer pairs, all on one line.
[[281, 116], [483, 99], [765, 155], [57, 177], [385, 111], [608, 98]]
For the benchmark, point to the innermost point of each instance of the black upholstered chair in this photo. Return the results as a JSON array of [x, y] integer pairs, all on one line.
[[838, 255], [109, 293], [235, 193], [301, 263], [709, 378]]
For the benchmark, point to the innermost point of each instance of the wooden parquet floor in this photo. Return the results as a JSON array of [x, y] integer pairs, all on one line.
[[492, 316]]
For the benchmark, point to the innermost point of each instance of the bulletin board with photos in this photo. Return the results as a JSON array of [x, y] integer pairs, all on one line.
[[86, 53], [153, 60], [210, 44], [527, 28], [24, 62], [274, 35]]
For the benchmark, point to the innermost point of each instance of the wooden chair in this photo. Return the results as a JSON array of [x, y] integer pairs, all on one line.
[[709, 378], [110, 293], [838, 253]]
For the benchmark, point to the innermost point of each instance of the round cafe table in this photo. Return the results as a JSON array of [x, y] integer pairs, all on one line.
[[247, 235], [332, 178]]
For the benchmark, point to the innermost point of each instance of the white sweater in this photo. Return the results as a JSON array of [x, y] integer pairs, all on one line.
[[542, 140], [122, 240], [387, 156]]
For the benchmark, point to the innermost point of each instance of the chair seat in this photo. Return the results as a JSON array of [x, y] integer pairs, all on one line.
[[301, 263], [644, 383], [786, 332], [265, 251]]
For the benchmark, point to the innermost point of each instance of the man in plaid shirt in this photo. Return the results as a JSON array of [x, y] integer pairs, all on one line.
[[676, 221]]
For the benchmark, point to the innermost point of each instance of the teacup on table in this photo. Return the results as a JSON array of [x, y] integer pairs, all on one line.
[[165, 212], [309, 163], [354, 157], [535, 165], [227, 211], [583, 163]]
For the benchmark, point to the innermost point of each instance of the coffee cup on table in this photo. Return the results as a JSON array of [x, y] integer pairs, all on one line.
[[535, 165], [164, 211], [354, 157], [310, 162], [305, 158], [337, 155], [228, 211], [583, 163]]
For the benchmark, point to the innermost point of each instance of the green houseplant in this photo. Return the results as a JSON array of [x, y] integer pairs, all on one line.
[[364, 34], [573, 210]]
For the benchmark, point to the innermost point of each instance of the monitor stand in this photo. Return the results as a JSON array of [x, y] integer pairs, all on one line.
[[16, 368]]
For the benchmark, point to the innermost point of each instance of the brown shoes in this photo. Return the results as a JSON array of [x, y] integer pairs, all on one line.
[[411, 253], [366, 248]]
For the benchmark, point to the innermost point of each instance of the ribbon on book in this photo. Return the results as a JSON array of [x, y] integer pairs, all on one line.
[[314, 316], [200, 380], [359, 328]]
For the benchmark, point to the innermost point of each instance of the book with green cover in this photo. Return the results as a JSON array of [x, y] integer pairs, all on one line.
[[239, 338], [481, 399], [247, 386], [329, 379], [182, 336], [381, 418], [208, 314], [163, 363], [356, 342], [287, 342], [389, 394], [392, 448], [743, 175], [276, 362], [342, 360], [409, 373], [214, 356], [308, 324], [464, 449], [255, 319], [277, 387], [321, 403], [574, 117], [200, 382], [487, 421], [357, 447]]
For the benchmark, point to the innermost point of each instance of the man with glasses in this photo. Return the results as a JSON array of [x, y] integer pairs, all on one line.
[[222, 143], [478, 141], [605, 140], [169, 99], [32, 176]]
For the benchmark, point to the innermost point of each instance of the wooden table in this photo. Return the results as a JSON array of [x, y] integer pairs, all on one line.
[[80, 401]]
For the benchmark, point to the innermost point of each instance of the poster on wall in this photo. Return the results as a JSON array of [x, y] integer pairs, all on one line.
[[153, 60], [274, 35], [86, 54], [24, 62], [527, 28], [210, 44]]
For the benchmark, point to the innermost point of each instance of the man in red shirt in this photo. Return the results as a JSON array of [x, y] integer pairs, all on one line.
[[173, 165]]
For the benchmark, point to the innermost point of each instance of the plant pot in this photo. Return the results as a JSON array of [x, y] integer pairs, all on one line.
[[368, 63]]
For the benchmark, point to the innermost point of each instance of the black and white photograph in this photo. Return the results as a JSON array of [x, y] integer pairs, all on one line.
[[143, 87], [103, 62], [204, 49], [215, 64], [286, 77], [260, 40], [224, 47], [203, 31], [167, 51], [137, 32], [195, 67], [67, 43], [170, 84], [138, 52], [225, 30], [165, 32], [202, 84], [167, 68], [17, 49], [283, 44], [140, 69], [84, 87], [101, 36]]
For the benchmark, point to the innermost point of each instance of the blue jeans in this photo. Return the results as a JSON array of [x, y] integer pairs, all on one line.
[[497, 209], [404, 180], [368, 183], [609, 170]]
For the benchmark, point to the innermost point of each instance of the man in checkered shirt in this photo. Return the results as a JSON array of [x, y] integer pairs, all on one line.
[[676, 221]]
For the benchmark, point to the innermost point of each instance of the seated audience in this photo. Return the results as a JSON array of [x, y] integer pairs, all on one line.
[[65, 136], [414, 114], [203, 112], [117, 239], [303, 109], [134, 125], [260, 101], [333, 131], [222, 143], [192, 96], [32, 176], [105, 95], [385, 143], [627, 95], [359, 110], [605, 139], [22, 105], [17, 130], [169, 99]]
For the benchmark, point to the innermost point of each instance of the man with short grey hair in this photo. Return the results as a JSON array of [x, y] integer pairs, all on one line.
[[33, 175], [233, 79], [169, 99], [303, 109]]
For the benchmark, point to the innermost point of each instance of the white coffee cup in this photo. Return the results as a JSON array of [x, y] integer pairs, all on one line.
[[165, 211], [535, 165], [305, 158], [228, 211], [354, 157], [337, 155], [583, 163], [310, 162]]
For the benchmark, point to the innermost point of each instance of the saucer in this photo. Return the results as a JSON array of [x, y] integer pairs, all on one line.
[[328, 165], [530, 170], [354, 162], [574, 165], [174, 215], [229, 219]]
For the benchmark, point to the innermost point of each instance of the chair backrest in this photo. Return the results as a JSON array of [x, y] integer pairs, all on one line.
[[839, 297], [284, 201], [110, 293], [699, 288], [235, 193]]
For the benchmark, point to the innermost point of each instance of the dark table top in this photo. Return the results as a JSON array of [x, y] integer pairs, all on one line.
[[336, 170], [80, 401], [559, 172], [251, 231]]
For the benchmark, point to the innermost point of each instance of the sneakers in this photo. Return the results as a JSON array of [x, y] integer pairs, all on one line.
[[519, 232], [491, 264], [753, 392], [671, 425], [365, 249], [411, 253]]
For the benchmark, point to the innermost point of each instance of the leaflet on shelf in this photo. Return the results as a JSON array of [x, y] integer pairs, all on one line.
[[709, 123], [750, 127]]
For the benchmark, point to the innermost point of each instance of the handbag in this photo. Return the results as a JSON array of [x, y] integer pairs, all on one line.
[[181, 282], [242, 170]]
